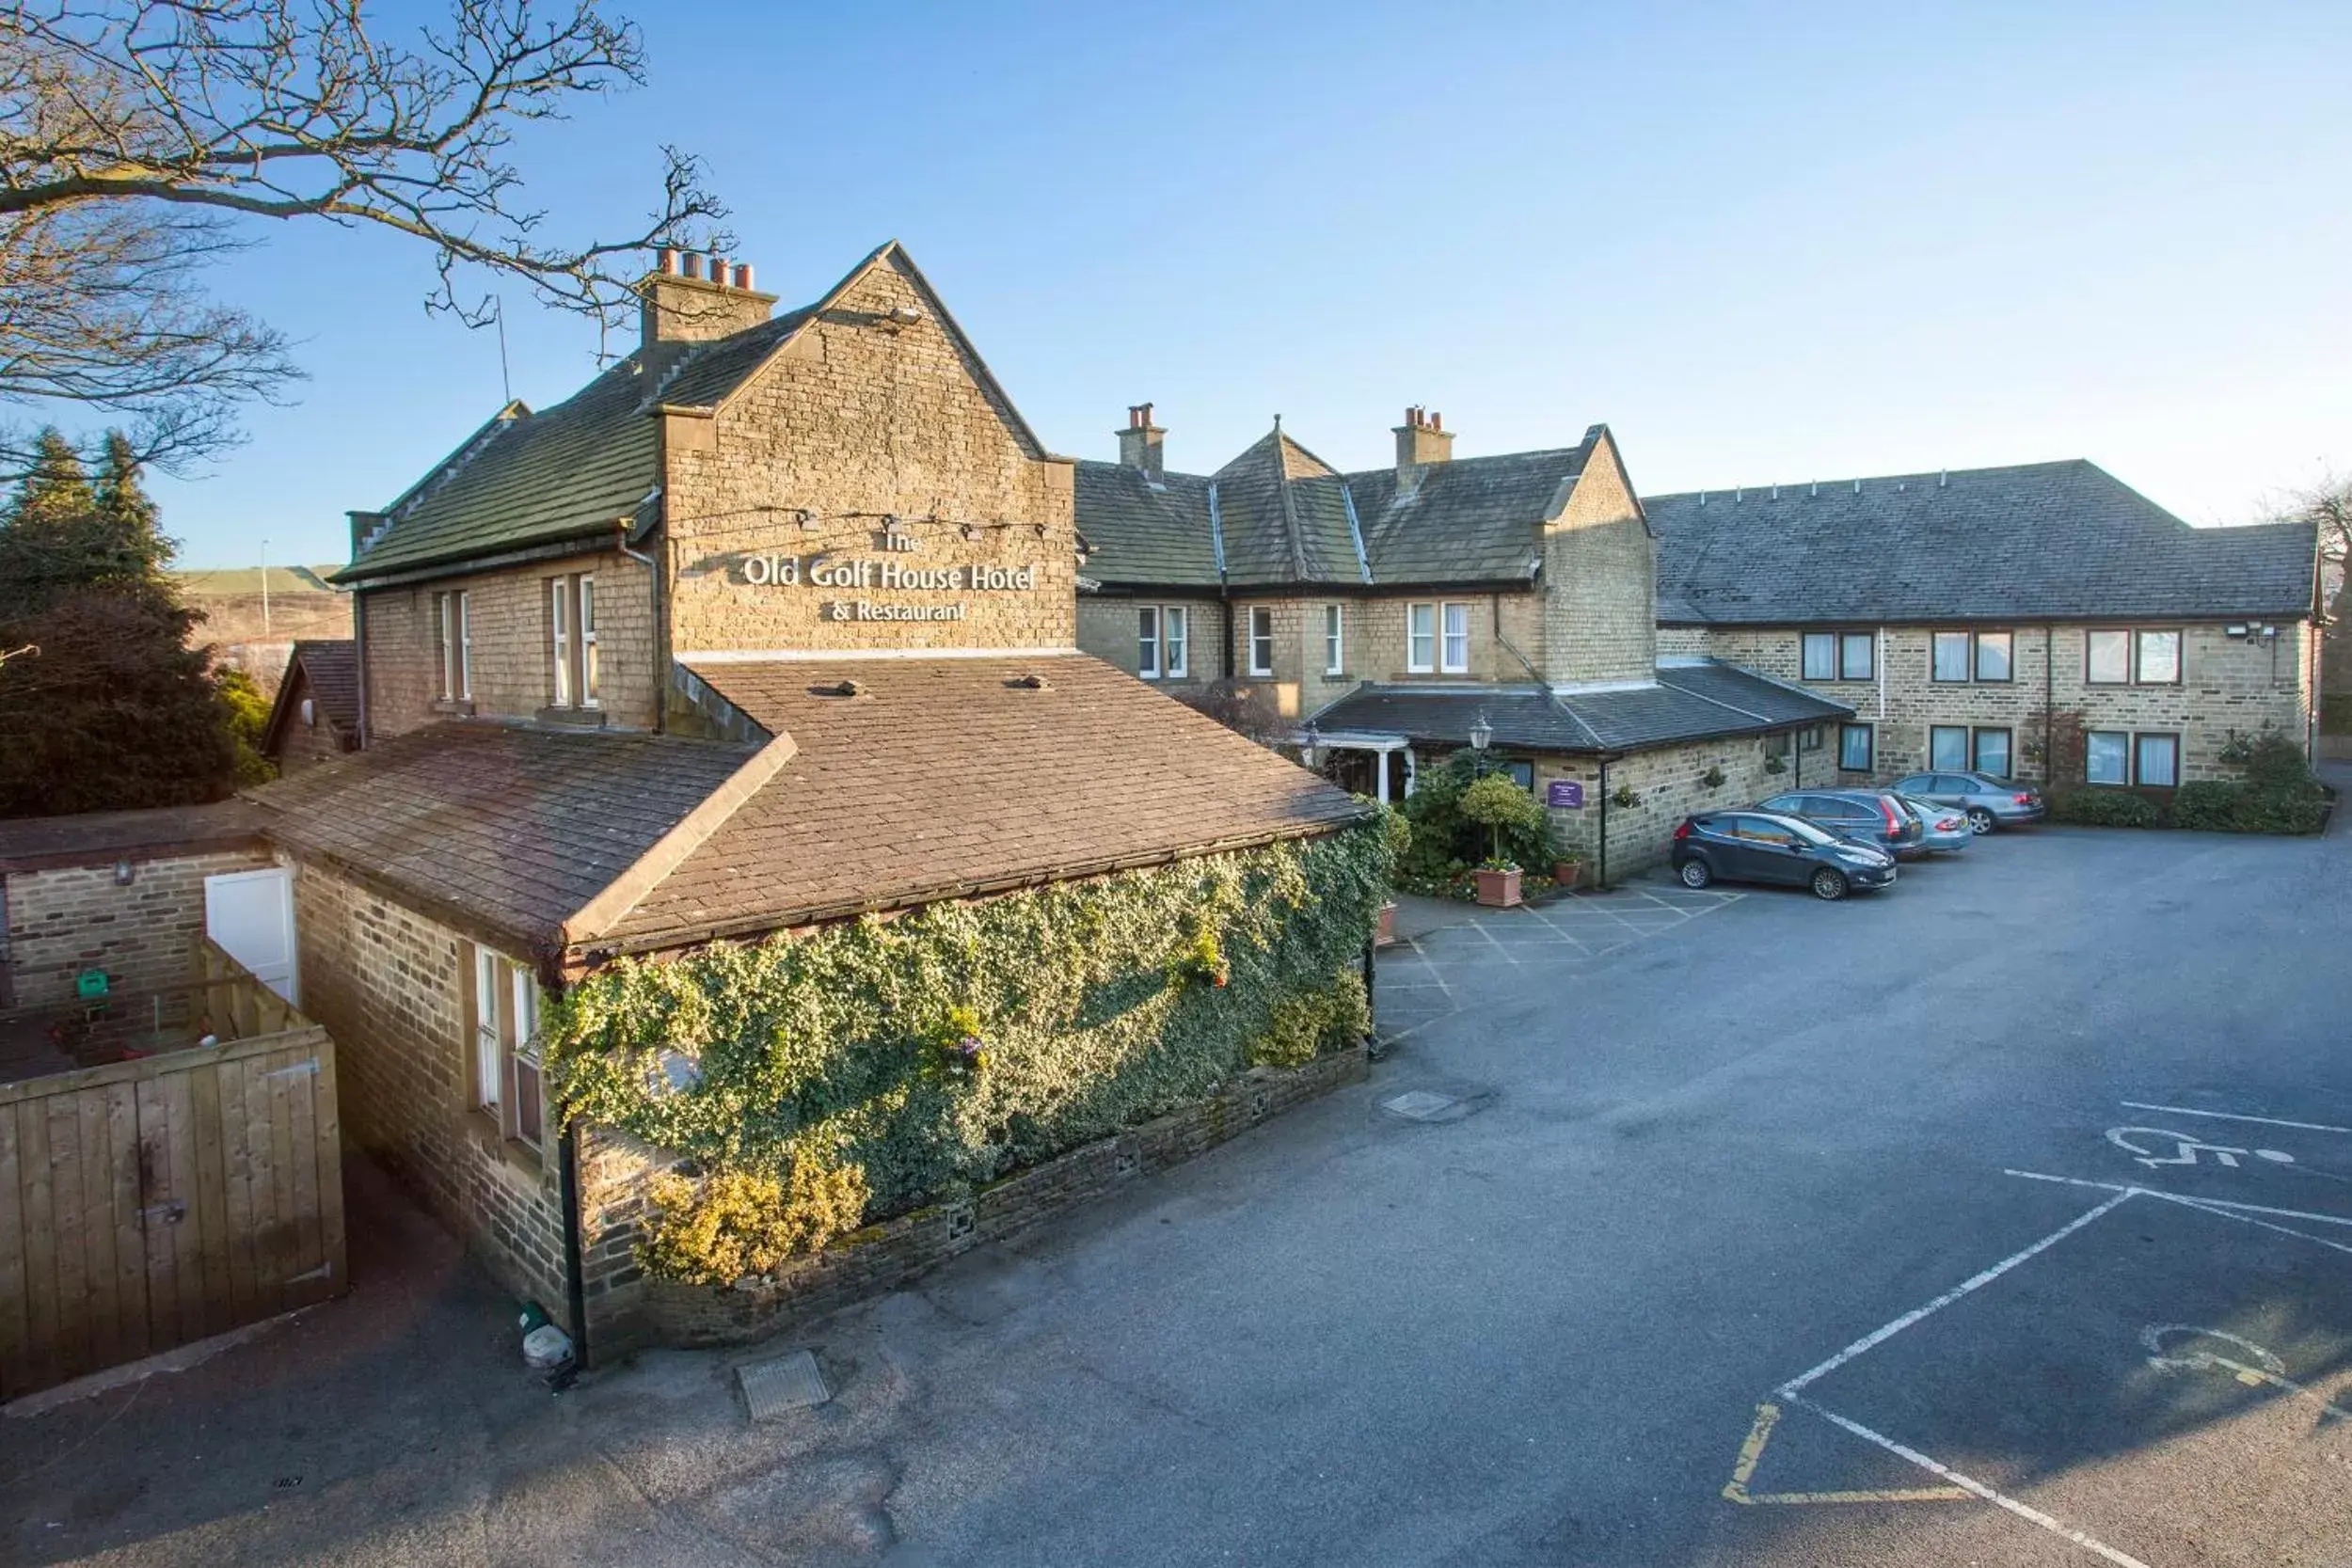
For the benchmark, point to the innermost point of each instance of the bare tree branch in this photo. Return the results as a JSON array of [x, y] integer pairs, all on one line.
[[134, 134]]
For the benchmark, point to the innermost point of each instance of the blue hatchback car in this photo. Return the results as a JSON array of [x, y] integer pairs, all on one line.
[[1773, 846]]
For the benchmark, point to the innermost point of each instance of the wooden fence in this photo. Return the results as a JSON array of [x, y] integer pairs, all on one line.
[[149, 1203]]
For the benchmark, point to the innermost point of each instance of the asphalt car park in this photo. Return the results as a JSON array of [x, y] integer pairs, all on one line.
[[2000, 1219]]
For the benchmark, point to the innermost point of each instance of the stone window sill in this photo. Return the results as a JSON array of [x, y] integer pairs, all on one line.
[[515, 1158], [462, 706], [575, 718]]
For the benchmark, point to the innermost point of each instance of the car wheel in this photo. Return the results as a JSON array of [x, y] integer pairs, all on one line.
[[1695, 874], [1979, 821], [1828, 884]]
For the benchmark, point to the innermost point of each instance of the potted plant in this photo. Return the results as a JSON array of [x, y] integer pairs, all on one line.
[[1496, 802], [1385, 934], [1566, 869], [1499, 884]]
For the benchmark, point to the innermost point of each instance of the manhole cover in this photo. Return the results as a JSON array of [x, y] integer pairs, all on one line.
[[771, 1389], [1419, 1105]]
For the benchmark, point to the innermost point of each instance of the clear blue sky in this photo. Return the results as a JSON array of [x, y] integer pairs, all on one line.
[[1764, 244]]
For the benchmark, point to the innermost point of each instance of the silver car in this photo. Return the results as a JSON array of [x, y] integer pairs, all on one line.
[[1990, 802], [1946, 827]]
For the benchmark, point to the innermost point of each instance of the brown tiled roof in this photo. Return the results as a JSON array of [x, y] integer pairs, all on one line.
[[947, 777], [333, 666], [504, 831], [96, 837]]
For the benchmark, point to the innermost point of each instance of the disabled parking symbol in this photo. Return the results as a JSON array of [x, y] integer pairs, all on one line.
[[2157, 1145]]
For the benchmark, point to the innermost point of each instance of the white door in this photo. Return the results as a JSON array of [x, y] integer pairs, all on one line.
[[250, 914]]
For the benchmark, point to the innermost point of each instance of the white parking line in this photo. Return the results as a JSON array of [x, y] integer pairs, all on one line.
[[2229, 1115], [2030, 1514], [1879, 1336], [2191, 1199]]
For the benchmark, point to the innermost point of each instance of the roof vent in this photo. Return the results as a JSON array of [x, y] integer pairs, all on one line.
[[839, 688], [1029, 683]]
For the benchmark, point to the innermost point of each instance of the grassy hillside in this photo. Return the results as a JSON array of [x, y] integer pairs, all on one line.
[[300, 604]]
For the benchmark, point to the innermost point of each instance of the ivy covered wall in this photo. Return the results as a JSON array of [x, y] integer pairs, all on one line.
[[900, 1061]]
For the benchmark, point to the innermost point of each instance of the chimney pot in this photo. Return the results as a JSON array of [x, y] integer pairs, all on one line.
[[1436, 421], [1140, 443], [743, 274], [691, 264], [719, 269], [669, 262]]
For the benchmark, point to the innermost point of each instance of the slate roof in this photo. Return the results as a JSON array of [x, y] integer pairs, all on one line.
[[99, 837], [329, 668], [944, 778], [505, 831], [2045, 540], [1284, 516], [591, 462], [1690, 702], [1144, 535]]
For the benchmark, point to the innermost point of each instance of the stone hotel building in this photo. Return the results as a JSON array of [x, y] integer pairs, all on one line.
[[1624, 652], [771, 625]]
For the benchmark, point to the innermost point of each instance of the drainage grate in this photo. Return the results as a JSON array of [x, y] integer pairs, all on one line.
[[1419, 1105], [773, 1388]]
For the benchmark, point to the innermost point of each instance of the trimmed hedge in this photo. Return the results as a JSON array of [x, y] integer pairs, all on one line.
[[2099, 806], [956, 1044]]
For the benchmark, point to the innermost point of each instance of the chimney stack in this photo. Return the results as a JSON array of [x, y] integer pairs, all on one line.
[[1420, 440], [1139, 444], [684, 306]]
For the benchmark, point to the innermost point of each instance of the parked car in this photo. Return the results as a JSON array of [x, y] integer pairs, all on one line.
[[1872, 816], [1771, 847], [1990, 802], [1946, 827]]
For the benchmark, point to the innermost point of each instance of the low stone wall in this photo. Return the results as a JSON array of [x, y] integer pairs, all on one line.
[[638, 1312]]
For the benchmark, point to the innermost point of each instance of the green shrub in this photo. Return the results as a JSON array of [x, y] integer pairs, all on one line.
[[1496, 802], [2223, 806], [1446, 844], [842, 1047], [2207, 806], [1308, 1026], [715, 1229], [2102, 807]]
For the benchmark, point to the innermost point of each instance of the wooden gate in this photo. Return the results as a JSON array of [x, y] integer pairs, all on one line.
[[146, 1204]]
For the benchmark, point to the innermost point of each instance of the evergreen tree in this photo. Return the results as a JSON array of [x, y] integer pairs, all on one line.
[[116, 711]]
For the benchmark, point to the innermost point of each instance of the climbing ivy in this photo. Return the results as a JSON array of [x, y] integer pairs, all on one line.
[[962, 1041]]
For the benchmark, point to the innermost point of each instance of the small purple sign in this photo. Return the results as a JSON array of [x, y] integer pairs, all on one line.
[[1568, 793]]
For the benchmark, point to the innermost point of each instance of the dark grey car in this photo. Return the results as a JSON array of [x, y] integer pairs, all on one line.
[[1990, 802], [1872, 816]]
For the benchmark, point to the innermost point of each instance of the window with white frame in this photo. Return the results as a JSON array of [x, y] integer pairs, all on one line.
[[572, 631], [2107, 757], [1148, 643], [508, 1082], [1262, 642], [1334, 640], [453, 655], [1176, 651], [1420, 639], [1455, 654]]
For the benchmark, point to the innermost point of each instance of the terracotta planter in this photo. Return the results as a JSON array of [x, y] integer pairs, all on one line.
[[1499, 889], [1565, 872], [1386, 933]]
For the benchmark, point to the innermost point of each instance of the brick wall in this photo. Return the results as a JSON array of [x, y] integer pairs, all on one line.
[[625, 1310], [512, 644], [1600, 581], [2229, 686], [857, 421], [65, 920], [394, 989]]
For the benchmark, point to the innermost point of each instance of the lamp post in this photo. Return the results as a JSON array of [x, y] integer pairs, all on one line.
[[1482, 735], [266, 590]]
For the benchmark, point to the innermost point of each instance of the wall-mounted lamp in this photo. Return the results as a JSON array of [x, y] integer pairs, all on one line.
[[125, 873]]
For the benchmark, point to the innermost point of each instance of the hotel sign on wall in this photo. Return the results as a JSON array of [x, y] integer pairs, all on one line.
[[867, 576]]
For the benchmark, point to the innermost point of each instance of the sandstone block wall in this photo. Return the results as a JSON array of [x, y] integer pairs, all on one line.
[[1108, 629], [513, 644], [1669, 784], [859, 421], [2229, 687], [1600, 581], [393, 989], [64, 920]]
